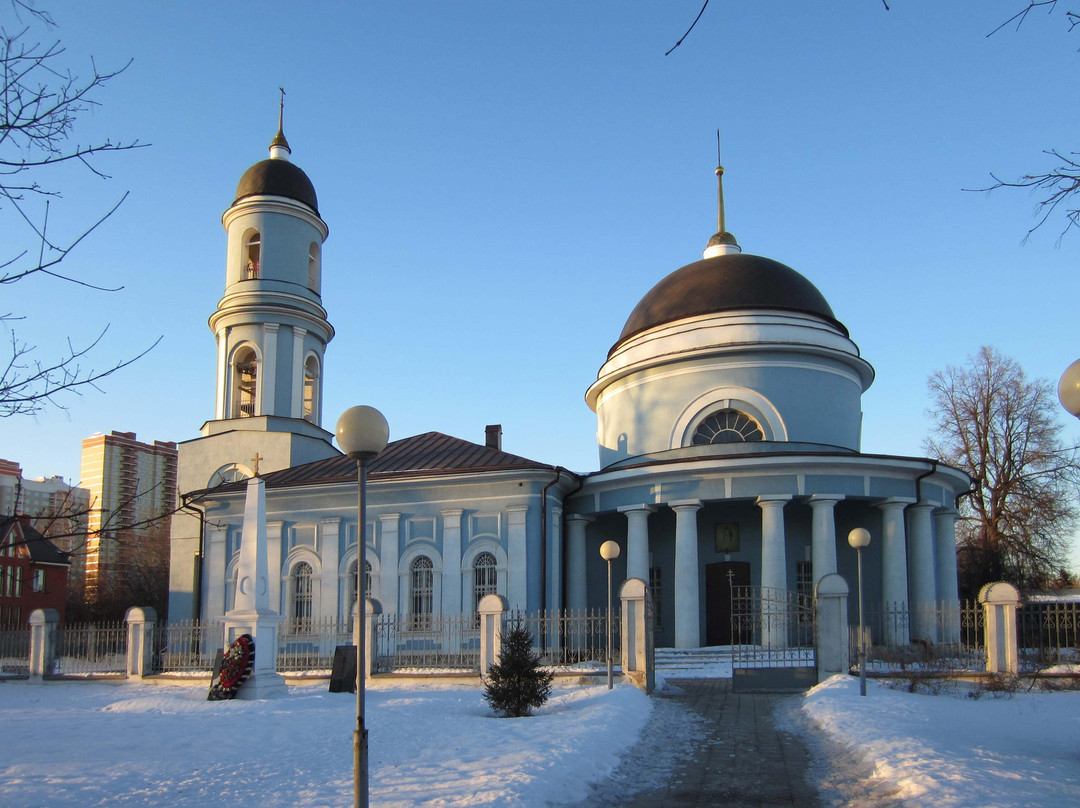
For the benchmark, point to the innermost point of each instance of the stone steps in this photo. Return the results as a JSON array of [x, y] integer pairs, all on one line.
[[691, 658]]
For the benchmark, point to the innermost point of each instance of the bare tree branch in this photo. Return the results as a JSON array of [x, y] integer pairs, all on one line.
[[27, 385], [1061, 185], [688, 30], [41, 101]]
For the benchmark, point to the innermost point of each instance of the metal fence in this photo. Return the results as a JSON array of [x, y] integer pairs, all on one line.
[[15, 652], [186, 646], [91, 649], [771, 628], [308, 645], [1048, 633], [439, 643], [571, 639], [936, 636]]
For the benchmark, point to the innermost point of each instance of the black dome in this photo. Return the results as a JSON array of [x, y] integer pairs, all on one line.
[[277, 178], [722, 283]]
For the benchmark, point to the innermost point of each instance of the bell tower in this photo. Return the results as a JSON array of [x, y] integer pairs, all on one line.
[[270, 325]]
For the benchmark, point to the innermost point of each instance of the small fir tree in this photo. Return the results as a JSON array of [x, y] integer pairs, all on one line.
[[516, 684]]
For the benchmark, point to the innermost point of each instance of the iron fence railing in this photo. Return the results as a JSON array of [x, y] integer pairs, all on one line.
[[308, 645], [186, 646], [91, 648], [933, 636], [571, 638], [1048, 633], [438, 643], [15, 652], [771, 628]]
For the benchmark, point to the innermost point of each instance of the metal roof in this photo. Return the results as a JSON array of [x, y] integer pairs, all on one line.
[[419, 455]]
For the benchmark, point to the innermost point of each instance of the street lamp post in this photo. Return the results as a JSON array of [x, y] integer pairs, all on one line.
[[362, 432], [609, 551], [860, 538]]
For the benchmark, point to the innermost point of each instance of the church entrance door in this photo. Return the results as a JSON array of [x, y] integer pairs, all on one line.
[[719, 578]]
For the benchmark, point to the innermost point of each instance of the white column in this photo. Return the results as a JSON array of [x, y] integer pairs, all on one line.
[[274, 559], [894, 580], [330, 554], [517, 595], [214, 573], [773, 541], [388, 560], [637, 540], [945, 571], [687, 575], [268, 371], [823, 555], [451, 557], [222, 374], [555, 544], [576, 588], [773, 569], [921, 583], [298, 372]]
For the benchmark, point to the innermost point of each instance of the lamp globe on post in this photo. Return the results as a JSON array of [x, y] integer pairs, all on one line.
[[1069, 389], [609, 551], [362, 432], [860, 538]]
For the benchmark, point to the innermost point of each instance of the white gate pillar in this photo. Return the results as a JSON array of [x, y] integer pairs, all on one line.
[[831, 605], [1000, 601], [492, 608], [636, 635]]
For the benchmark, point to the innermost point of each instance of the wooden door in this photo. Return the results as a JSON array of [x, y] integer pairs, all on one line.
[[719, 578]]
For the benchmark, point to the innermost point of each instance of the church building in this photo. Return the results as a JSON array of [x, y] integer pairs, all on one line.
[[729, 428]]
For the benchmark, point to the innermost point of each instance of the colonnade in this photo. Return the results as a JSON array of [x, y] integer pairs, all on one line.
[[918, 560]]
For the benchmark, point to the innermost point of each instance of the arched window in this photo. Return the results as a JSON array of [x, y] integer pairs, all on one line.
[[302, 594], [252, 255], [313, 268], [727, 426], [245, 383], [485, 577], [421, 591], [311, 390]]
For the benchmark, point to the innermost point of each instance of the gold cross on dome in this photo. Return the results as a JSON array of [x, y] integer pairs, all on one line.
[[256, 460]]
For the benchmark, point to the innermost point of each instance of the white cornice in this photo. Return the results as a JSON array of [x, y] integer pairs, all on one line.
[[274, 204]]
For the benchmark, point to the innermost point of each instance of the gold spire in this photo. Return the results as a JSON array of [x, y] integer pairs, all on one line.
[[722, 241], [279, 141]]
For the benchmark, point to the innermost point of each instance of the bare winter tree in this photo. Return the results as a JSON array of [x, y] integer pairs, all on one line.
[[41, 102], [1002, 429]]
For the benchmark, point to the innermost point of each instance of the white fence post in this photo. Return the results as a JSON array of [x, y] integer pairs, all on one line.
[[636, 635], [1000, 600], [372, 610], [831, 606], [140, 643], [491, 609], [43, 623]]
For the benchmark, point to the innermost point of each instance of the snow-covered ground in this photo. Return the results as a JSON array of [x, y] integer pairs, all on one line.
[[85, 744], [950, 750]]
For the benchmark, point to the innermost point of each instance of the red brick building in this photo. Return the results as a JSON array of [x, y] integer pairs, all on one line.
[[33, 573]]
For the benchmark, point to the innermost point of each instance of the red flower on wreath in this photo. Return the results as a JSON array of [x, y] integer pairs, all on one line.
[[234, 661]]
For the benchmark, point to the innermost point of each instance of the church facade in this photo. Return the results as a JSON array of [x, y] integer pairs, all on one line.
[[729, 429]]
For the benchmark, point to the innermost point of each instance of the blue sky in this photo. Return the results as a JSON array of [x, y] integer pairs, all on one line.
[[504, 181]]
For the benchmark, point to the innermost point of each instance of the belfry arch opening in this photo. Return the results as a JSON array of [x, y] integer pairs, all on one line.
[[245, 383], [252, 255]]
